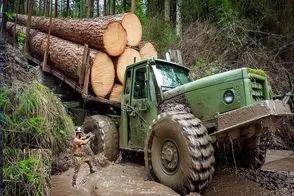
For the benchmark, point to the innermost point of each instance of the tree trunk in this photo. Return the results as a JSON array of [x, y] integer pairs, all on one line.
[[91, 8], [48, 7], [67, 8], [15, 21], [147, 50], [25, 6], [98, 6], [105, 7], [113, 7], [88, 8], [40, 7], [28, 24], [125, 5], [115, 94], [133, 6], [130, 23], [167, 10], [67, 58], [4, 18], [56, 9], [129, 56], [44, 7], [105, 35], [45, 66], [108, 7], [179, 18]]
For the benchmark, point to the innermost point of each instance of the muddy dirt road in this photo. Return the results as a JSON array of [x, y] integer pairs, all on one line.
[[128, 179]]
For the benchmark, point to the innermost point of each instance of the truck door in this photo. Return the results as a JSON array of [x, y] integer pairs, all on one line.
[[137, 117]]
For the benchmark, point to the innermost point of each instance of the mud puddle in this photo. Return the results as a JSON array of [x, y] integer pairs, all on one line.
[[275, 178], [279, 160], [226, 182]]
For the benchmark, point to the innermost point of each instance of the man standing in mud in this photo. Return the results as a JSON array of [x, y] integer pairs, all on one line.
[[80, 153]]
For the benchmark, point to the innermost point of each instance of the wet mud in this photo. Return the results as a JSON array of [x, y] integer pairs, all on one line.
[[115, 179], [227, 182], [276, 177]]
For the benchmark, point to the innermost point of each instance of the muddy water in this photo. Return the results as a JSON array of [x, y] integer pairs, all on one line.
[[279, 160], [228, 183], [128, 179]]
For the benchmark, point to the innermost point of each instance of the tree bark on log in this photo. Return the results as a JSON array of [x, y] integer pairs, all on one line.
[[129, 56], [130, 23], [67, 57], [106, 35], [147, 50]]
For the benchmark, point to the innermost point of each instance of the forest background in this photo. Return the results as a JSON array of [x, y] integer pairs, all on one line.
[[213, 35]]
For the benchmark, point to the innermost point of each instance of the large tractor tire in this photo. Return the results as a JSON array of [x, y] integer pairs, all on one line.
[[178, 152], [106, 135]]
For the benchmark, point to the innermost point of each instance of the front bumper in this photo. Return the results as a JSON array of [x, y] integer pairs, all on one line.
[[256, 113]]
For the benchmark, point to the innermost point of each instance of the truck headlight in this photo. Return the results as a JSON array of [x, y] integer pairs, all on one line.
[[229, 96]]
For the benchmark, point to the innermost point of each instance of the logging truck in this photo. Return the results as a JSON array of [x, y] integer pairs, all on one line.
[[176, 121]]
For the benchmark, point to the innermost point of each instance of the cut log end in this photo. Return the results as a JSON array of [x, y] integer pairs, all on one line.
[[129, 56], [115, 94], [115, 39], [147, 50], [133, 27], [102, 74]]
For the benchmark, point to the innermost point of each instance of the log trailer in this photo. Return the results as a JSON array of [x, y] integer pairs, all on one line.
[[176, 121]]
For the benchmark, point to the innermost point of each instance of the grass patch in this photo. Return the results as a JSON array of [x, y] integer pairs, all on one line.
[[34, 118], [26, 172], [36, 128]]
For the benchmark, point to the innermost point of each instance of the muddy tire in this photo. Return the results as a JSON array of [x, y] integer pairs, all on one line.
[[178, 152], [106, 135]]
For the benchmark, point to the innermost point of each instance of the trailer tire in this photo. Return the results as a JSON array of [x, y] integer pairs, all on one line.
[[106, 135], [178, 152]]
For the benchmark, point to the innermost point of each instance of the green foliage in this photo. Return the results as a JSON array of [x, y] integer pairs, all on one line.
[[9, 15], [226, 15], [33, 112], [200, 62], [35, 126], [21, 40], [159, 32], [139, 11], [204, 68], [26, 172]]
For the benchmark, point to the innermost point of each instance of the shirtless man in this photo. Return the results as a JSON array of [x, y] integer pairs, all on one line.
[[80, 154]]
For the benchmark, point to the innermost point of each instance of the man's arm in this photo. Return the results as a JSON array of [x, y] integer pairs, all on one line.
[[81, 141]]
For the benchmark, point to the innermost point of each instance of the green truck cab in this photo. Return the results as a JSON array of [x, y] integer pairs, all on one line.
[[175, 121]]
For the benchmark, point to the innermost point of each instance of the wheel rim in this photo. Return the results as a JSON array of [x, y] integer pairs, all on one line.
[[169, 156]]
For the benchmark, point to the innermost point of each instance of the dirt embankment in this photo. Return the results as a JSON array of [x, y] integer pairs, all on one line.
[[16, 68]]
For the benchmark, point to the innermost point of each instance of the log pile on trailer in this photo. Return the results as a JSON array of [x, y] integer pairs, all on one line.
[[114, 42]]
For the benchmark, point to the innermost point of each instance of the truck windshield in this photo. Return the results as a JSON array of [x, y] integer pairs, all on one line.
[[170, 76]]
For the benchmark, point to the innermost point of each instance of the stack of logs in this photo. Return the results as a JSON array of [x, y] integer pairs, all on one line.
[[114, 42]]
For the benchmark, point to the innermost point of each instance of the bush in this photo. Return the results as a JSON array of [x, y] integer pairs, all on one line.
[[160, 33]]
